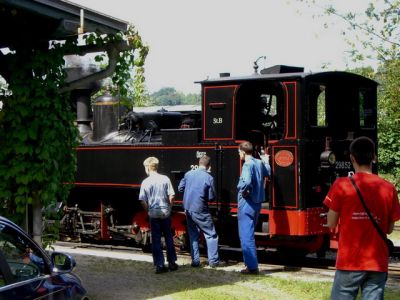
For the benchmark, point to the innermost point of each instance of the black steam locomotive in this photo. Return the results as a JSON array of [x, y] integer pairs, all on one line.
[[305, 121]]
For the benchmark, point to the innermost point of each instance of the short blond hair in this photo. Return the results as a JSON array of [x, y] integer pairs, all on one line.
[[152, 163]]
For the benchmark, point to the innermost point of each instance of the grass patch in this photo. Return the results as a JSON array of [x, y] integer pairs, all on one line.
[[392, 294], [268, 288], [260, 287], [106, 278]]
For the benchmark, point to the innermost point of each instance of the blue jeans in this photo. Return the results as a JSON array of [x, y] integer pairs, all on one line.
[[347, 283], [158, 227], [248, 213], [202, 222]]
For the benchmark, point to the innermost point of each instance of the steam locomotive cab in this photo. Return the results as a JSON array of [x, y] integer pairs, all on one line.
[[305, 122]]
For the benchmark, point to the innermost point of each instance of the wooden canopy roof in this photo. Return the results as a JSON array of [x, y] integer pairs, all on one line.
[[24, 22]]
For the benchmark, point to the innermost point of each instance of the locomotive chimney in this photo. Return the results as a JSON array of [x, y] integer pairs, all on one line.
[[105, 116], [83, 117], [78, 67]]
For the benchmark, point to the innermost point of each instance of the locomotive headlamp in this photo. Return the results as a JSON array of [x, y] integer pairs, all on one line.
[[328, 159], [332, 158]]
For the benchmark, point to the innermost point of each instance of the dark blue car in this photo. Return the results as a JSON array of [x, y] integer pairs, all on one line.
[[28, 272]]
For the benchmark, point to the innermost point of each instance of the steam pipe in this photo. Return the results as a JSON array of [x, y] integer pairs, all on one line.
[[112, 50]]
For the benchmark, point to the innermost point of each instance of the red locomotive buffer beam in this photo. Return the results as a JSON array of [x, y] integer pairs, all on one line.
[[297, 223], [303, 230]]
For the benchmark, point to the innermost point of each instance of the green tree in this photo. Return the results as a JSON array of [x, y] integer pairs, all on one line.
[[389, 119], [37, 131], [128, 81], [192, 99], [169, 96]]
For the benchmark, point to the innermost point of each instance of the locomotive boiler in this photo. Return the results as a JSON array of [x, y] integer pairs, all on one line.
[[304, 121]]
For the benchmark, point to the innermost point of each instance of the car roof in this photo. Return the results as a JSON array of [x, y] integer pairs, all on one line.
[[11, 224], [5, 220]]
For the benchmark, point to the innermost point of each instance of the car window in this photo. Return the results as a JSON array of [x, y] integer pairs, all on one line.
[[23, 258]]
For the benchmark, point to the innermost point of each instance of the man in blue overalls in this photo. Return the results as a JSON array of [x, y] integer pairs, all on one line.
[[198, 187], [251, 193]]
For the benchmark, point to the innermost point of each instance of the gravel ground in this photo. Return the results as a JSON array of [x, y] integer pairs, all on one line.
[[115, 274]]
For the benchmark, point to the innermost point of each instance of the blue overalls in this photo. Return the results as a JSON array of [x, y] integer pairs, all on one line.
[[251, 194]]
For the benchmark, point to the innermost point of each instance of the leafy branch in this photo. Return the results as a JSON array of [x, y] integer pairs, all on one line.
[[133, 56], [376, 29], [351, 19]]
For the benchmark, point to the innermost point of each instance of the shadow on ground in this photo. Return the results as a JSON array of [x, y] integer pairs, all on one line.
[[106, 278]]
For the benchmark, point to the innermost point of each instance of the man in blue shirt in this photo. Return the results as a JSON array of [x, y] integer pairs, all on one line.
[[251, 193], [198, 188]]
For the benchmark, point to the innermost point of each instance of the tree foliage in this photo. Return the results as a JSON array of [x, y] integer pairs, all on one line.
[[373, 32], [37, 131], [389, 119], [169, 96], [128, 83], [377, 30]]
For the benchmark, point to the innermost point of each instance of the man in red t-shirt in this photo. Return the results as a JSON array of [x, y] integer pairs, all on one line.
[[362, 258]]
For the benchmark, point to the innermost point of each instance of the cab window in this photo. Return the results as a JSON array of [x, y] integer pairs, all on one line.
[[317, 109], [367, 109], [260, 111]]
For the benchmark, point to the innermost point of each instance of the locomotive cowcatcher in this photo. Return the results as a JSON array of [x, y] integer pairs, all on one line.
[[304, 121]]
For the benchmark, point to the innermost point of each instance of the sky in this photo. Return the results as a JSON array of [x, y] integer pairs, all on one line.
[[191, 40]]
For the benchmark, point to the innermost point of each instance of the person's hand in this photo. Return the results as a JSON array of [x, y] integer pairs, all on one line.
[[265, 158], [26, 256]]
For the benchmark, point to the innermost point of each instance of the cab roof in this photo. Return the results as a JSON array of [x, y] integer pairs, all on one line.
[[275, 73]]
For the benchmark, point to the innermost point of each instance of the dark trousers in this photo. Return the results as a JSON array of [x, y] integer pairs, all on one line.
[[202, 222], [162, 227]]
